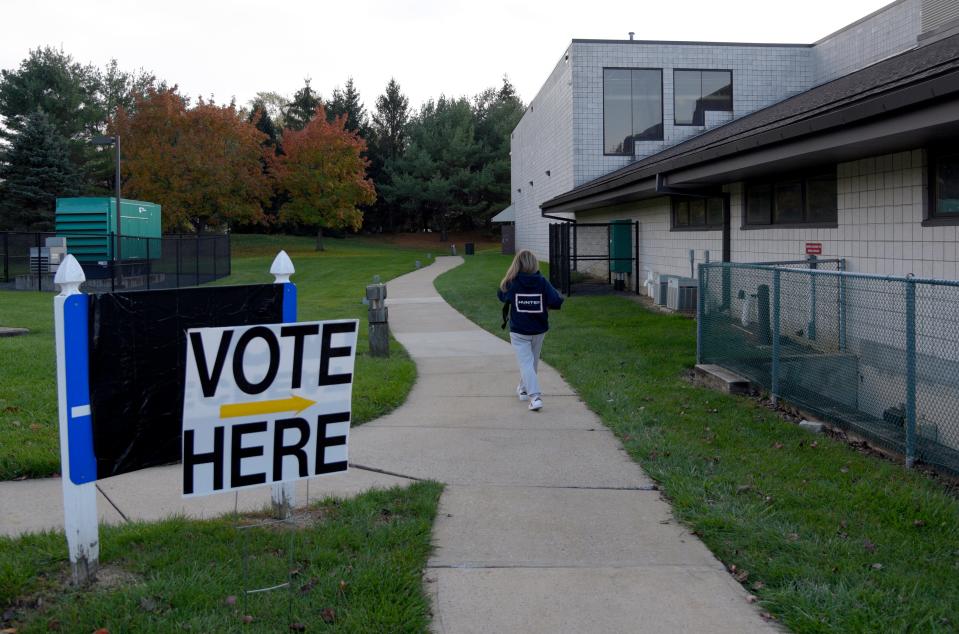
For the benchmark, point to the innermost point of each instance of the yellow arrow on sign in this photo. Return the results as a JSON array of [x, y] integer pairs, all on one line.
[[293, 404]]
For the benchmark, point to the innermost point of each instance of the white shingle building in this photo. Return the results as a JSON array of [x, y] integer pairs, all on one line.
[[751, 151]]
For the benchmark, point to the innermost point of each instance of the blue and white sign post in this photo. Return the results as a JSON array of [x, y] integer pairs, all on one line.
[[78, 465], [284, 493]]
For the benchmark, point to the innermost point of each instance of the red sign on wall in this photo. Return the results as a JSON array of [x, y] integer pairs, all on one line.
[[814, 248]]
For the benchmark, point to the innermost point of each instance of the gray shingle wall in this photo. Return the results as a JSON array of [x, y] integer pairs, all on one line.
[[762, 75], [543, 140], [889, 31]]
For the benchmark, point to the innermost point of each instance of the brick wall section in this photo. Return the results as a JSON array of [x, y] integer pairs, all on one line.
[[543, 140], [891, 30], [762, 75]]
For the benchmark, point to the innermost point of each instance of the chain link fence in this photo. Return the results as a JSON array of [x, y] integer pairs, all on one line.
[[876, 355], [112, 264]]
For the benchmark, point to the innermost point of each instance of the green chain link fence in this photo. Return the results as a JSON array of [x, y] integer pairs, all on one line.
[[876, 355]]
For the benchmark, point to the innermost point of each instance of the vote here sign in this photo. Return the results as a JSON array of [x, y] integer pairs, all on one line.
[[265, 404]]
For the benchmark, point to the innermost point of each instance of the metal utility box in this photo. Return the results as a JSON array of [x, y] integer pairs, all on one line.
[[621, 246], [90, 223], [681, 294]]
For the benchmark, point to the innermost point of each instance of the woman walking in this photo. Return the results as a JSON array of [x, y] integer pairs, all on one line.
[[530, 297]]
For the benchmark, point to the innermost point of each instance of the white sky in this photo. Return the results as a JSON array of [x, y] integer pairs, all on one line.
[[236, 48]]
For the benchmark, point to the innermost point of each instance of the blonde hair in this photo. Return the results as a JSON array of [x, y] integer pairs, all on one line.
[[524, 262]]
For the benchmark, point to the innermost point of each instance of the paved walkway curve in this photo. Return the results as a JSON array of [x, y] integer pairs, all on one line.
[[546, 524]]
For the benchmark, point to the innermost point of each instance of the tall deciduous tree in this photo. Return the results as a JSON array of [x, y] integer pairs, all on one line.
[[203, 164], [323, 175], [34, 170]]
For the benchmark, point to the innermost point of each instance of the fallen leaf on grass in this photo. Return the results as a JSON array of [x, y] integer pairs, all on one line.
[[759, 585], [877, 566], [744, 488], [328, 615], [768, 616], [309, 585], [343, 585], [53, 625], [230, 600], [247, 619], [752, 598], [869, 546], [778, 445], [297, 627], [919, 523], [793, 537], [741, 576], [102, 630]]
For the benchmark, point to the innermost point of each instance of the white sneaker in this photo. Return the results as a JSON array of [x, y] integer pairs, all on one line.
[[535, 404], [521, 393]]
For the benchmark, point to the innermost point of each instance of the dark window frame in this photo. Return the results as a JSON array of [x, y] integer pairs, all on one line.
[[930, 215], [707, 226], [662, 107], [732, 93], [802, 177]]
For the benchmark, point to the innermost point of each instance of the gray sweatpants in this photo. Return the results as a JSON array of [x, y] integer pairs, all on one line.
[[527, 349]]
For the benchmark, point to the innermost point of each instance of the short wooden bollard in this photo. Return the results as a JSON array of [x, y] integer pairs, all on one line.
[[379, 320]]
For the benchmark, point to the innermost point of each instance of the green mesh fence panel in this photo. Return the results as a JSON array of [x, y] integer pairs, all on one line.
[[876, 355]]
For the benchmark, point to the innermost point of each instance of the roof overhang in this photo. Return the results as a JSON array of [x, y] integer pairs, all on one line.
[[920, 114]]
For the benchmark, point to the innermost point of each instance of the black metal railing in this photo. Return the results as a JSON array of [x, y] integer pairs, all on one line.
[[170, 261]]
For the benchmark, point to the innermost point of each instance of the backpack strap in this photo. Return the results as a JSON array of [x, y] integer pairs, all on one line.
[[506, 308]]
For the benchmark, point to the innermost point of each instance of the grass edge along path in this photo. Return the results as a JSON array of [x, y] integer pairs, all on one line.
[[828, 539], [330, 285], [358, 566]]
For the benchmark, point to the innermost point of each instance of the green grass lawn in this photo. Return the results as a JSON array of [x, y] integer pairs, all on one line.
[[331, 285], [829, 539], [357, 563]]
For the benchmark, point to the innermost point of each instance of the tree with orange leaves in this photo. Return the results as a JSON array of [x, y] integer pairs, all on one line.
[[202, 164], [322, 174]]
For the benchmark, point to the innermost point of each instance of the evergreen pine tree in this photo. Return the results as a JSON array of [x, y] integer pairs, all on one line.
[[35, 170]]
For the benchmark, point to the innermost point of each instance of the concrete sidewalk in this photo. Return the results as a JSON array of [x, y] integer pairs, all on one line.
[[546, 525]]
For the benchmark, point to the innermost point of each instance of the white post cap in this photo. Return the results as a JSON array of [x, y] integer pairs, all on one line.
[[69, 276], [282, 268]]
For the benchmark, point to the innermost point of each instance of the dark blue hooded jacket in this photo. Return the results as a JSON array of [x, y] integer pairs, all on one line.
[[529, 296]]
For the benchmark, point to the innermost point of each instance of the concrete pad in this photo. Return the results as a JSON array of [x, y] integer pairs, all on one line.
[[452, 344], [31, 506], [509, 457], [484, 412], [427, 318], [502, 383], [490, 527], [654, 599], [400, 301], [161, 487]]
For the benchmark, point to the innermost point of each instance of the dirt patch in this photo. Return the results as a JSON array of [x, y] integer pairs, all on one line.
[[301, 518]]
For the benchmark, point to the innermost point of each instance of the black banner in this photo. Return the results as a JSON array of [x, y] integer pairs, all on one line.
[[137, 361]]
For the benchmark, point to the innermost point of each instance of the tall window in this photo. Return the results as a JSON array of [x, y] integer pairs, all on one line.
[[632, 108], [944, 185], [798, 200], [698, 91]]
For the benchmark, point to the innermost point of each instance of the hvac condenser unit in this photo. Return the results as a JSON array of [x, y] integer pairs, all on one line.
[[681, 294], [660, 289], [47, 259]]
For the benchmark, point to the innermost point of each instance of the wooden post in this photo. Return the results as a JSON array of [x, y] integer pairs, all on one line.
[[283, 495], [77, 462], [379, 332]]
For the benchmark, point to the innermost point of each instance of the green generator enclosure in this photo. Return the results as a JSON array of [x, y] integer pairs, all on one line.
[[90, 224], [621, 246]]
